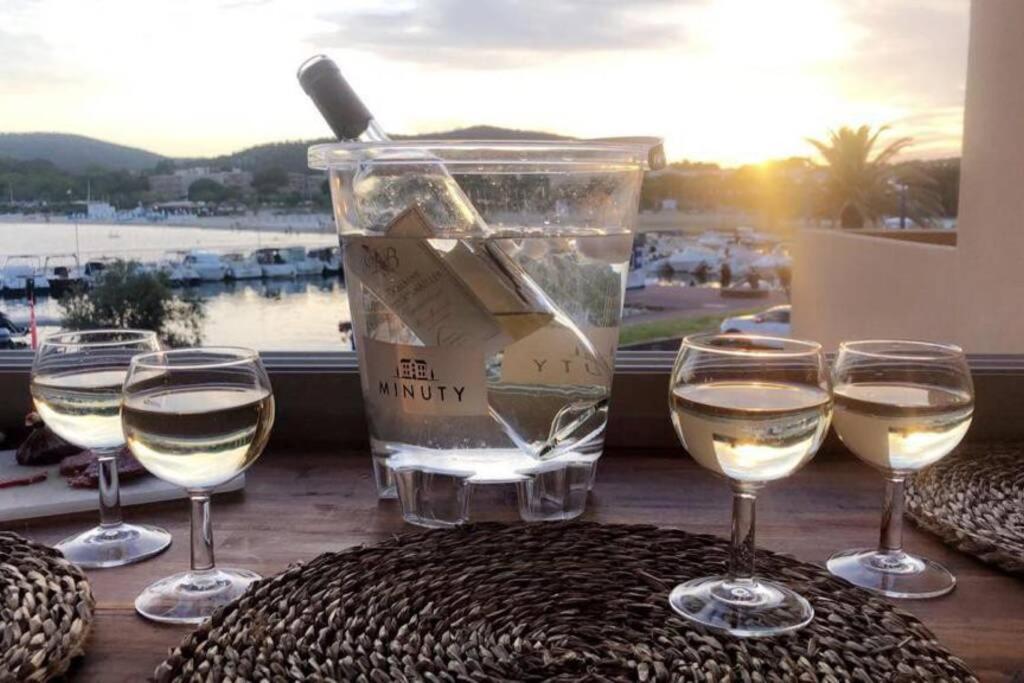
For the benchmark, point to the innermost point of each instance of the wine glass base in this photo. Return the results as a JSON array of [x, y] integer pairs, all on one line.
[[748, 609], [191, 597], [894, 575], [114, 546]]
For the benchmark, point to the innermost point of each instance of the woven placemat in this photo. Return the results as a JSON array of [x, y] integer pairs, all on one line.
[[543, 602], [974, 501], [46, 610]]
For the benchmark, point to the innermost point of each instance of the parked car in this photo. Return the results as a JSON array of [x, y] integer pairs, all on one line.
[[773, 322], [10, 327]]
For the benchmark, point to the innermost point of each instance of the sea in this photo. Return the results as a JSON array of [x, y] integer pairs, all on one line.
[[269, 315]]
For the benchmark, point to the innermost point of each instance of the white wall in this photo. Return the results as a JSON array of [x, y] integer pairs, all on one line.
[[847, 286]]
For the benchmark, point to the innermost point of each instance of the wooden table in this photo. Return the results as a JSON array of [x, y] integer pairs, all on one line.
[[297, 505]]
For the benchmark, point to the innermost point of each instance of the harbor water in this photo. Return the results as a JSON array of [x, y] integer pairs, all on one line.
[[278, 314]]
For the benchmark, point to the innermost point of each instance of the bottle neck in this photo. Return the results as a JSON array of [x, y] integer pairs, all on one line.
[[373, 133]]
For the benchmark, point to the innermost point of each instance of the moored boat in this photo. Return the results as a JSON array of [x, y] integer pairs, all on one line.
[[21, 273], [304, 265], [241, 267], [63, 272], [329, 257], [273, 264], [693, 257], [207, 265]]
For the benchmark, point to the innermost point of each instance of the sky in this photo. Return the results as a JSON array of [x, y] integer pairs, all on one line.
[[729, 81]]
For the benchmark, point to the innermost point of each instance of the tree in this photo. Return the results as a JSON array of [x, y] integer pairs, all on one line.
[[128, 297], [862, 185], [207, 190], [165, 166], [269, 180]]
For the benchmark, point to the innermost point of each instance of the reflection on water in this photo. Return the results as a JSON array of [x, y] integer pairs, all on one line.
[[301, 313], [276, 314]]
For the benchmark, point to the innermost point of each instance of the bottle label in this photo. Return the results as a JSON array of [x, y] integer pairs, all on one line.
[[408, 275], [424, 380], [554, 356]]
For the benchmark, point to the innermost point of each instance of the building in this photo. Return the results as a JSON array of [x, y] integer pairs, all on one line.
[[167, 187], [174, 186], [305, 184], [100, 211], [236, 178], [963, 287]]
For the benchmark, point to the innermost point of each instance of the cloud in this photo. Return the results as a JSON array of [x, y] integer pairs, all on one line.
[[28, 63], [912, 50], [482, 34]]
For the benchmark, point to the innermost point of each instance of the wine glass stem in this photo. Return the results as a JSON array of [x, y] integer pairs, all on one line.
[[891, 538], [741, 554], [110, 494], [202, 533]]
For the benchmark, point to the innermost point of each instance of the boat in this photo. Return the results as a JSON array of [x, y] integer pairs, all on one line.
[[179, 273], [753, 237], [92, 270], [241, 267], [22, 272], [713, 240], [691, 258], [771, 262], [637, 276], [304, 265], [740, 259], [63, 272], [330, 257], [207, 265], [273, 264], [658, 265]]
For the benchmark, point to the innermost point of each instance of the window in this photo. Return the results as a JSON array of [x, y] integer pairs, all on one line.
[[719, 228]]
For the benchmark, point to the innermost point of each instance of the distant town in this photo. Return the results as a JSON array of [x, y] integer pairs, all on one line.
[[72, 177]]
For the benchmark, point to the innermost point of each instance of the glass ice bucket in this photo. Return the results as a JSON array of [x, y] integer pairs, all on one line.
[[485, 281]]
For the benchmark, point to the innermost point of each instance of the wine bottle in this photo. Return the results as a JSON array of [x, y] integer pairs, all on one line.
[[338, 103], [468, 295]]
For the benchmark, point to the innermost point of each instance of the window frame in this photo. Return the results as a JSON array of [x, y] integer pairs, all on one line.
[[320, 405]]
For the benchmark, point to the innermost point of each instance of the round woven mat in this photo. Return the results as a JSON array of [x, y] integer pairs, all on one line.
[[46, 610], [974, 501], [543, 602]]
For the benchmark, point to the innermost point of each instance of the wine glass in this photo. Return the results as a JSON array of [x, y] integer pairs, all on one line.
[[197, 418], [899, 406], [76, 389], [751, 409]]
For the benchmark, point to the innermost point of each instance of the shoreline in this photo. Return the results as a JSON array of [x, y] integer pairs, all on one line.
[[315, 223]]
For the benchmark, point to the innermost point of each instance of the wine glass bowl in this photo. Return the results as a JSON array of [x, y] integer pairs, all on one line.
[[900, 406], [76, 387], [750, 409], [197, 418]]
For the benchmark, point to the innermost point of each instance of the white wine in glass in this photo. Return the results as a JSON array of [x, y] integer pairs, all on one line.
[[752, 410], [198, 437], [750, 431], [76, 388], [900, 406], [197, 418]]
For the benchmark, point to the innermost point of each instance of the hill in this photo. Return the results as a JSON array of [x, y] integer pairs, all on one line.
[[75, 153], [291, 155]]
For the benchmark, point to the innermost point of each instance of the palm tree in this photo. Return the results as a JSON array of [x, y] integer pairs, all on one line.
[[862, 187]]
